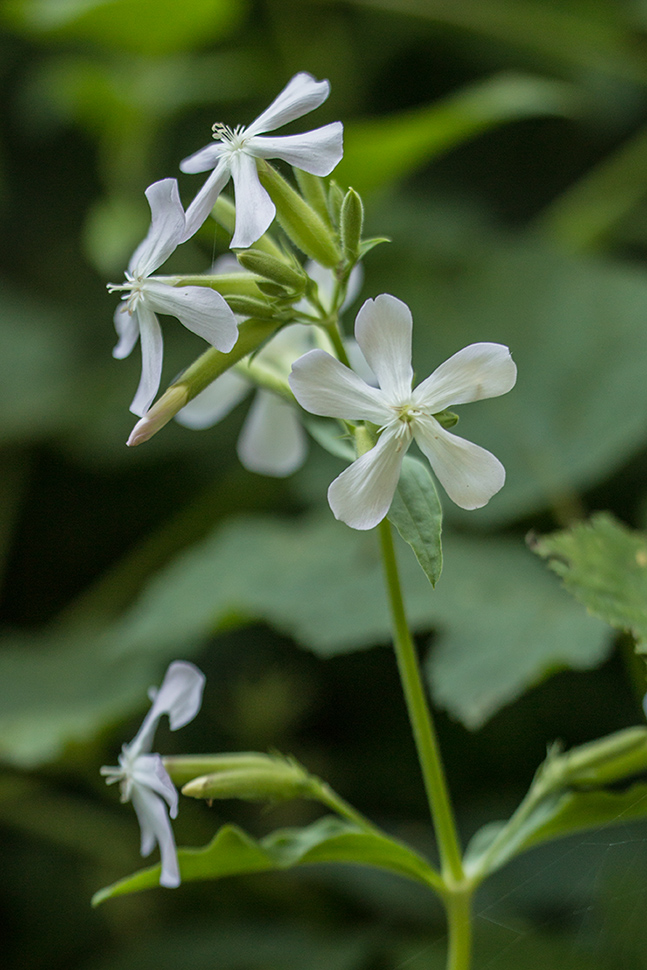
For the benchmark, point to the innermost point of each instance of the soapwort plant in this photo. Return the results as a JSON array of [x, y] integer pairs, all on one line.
[[299, 245]]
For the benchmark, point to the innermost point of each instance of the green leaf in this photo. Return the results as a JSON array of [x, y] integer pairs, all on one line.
[[386, 149], [604, 565], [417, 514], [233, 852]]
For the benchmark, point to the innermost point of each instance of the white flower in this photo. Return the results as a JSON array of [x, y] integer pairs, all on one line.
[[142, 777], [362, 494], [199, 308], [234, 152]]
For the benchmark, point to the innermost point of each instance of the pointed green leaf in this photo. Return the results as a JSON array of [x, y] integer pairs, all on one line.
[[417, 514], [233, 852]]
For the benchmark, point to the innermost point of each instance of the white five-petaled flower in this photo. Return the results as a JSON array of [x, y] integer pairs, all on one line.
[[198, 308], [142, 776], [234, 153], [362, 494]]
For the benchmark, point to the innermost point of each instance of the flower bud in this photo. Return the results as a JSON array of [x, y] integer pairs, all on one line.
[[304, 226], [314, 192], [608, 761], [268, 779], [290, 276], [351, 220]]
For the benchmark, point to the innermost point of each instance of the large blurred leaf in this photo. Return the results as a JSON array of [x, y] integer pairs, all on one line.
[[576, 329], [604, 565], [143, 26], [386, 149], [232, 852], [503, 624]]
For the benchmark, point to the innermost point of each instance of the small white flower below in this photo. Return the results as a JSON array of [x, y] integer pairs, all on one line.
[[362, 494], [141, 775]]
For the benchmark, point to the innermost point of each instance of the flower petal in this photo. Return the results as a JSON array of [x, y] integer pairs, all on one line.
[[156, 828], [317, 151], [254, 208], [149, 770], [361, 495], [205, 200], [215, 402], [469, 474], [204, 159], [166, 230], [152, 355], [323, 385], [383, 331], [180, 696], [479, 371], [127, 327], [200, 309], [300, 95], [272, 441]]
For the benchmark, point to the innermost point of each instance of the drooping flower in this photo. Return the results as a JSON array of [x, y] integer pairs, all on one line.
[[362, 494], [198, 308], [234, 153], [272, 440], [141, 775]]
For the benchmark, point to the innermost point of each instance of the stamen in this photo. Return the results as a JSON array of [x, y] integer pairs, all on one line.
[[231, 136]]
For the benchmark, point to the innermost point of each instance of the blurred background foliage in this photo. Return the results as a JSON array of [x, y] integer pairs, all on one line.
[[502, 145]]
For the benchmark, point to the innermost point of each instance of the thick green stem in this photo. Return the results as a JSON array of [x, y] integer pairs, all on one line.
[[459, 923], [420, 717]]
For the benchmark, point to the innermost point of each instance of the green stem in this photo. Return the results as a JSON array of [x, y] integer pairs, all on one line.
[[420, 717], [459, 922]]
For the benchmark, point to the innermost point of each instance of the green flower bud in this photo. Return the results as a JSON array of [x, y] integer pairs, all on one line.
[[351, 220], [314, 192], [289, 275], [608, 761], [247, 306], [303, 225], [446, 419], [186, 767], [268, 779], [335, 202], [224, 212]]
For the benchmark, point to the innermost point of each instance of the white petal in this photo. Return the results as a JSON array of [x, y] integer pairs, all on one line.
[[204, 159], [205, 200], [180, 696], [254, 208], [272, 441], [317, 151], [361, 495], [323, 385], [127, 327], [301, 95], [383, 331], [200, 309], [479, 371], [217, 400], [152, 355], [148, 770], [156, 828], [166, 231], [469, 474]]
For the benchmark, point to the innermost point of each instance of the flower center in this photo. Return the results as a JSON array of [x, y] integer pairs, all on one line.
[[134, 286], [233, 138], [406, 416]]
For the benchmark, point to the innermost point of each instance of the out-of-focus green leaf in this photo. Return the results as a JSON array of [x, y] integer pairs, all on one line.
[[503, 624], [417, 514], [604, 565], [141, 26], [233, 852], [384, 150], [576, 329]]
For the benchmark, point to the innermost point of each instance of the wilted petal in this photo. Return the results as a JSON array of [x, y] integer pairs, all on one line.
[[156, 828], [215, 402], [152, 355], [323, 385], [127, 327], [206, 198], [383, 331], [254, 208], [300, 95], [317, 151], [469, 474], [200, 309], [272, 441], [180, 696], [479, 371], [361, 495], [166, 230]]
